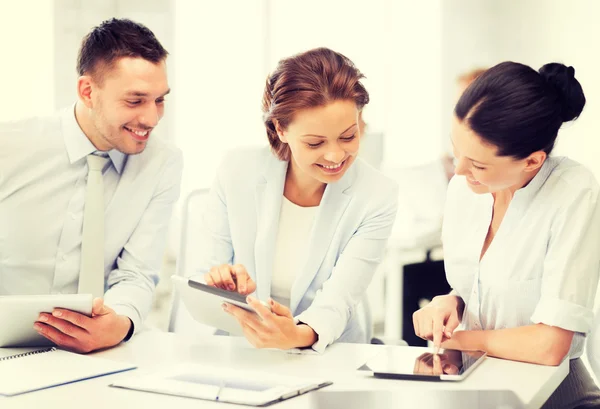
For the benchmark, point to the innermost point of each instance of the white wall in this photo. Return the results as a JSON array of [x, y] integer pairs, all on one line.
[[532, 32], [412, 45], [219, 79], [26, 70]]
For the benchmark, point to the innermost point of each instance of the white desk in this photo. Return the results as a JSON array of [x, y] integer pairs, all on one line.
[[152, 350]]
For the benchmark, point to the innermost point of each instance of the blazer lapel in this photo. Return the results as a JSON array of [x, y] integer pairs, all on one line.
[[268, 198], [331, 209]]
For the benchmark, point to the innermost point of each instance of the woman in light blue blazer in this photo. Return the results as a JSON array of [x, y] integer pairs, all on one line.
[[304, 224]]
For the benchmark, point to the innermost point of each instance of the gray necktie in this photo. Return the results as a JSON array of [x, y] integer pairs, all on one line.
[[91, 275]]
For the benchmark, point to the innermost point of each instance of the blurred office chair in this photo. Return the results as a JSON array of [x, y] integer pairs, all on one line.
[[415, 268], [180, 320]]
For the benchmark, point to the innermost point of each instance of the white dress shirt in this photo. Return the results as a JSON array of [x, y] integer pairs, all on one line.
[[291, 249], [543, 264], [43, 172]]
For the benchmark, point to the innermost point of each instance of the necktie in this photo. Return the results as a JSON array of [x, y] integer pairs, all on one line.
[[91, 275]]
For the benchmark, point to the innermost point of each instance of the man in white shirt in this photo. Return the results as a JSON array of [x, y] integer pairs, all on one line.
[[86, 195]]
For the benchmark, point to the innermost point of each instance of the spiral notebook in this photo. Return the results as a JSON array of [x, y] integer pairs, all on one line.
[[243, 387], [25, 370]]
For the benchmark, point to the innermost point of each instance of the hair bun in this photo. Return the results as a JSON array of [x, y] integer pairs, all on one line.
[[571, 97]]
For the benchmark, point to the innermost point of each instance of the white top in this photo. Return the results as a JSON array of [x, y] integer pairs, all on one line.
[[43, 172], [293, 235], [543, 264]]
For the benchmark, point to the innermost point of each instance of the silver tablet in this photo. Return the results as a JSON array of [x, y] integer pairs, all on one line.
[[18, 313], [421, 365], [204, 304]]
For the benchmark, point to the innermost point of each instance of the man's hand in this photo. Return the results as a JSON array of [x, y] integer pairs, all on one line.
[[79, 333]]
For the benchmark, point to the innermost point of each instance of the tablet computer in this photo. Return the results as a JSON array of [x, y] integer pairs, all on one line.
[[204, 304], [18, 313], [421, 365]]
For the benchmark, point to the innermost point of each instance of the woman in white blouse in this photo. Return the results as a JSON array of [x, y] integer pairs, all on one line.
[[302, 223], [521, 229]]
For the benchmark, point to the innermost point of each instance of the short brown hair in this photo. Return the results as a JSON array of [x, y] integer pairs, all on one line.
[[114, 39], [308, 80]]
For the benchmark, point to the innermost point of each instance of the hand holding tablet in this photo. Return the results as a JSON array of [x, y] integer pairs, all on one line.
[[18, 313], [204, 303]]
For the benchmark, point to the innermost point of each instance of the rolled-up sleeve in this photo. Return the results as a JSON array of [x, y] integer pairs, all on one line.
[[131, 285], [336, 302], [572, 266]]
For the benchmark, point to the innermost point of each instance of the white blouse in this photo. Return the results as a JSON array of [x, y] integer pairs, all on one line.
[[544, 262], [295, 224]]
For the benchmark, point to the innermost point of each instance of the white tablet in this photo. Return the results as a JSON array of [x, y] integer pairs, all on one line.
[[419, 364], [204, 304], [18, 313]]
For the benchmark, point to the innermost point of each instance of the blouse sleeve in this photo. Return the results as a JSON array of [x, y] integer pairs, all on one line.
[[572, 265]]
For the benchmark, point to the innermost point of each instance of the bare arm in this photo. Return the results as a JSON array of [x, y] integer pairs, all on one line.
[[538, 344]]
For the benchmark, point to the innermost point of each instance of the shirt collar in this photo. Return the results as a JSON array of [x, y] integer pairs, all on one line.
[[79, 146], [538, 180]]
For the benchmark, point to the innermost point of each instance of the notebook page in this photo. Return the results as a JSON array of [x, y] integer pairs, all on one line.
[[53, 368]]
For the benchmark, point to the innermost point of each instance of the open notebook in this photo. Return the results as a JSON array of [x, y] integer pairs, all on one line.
[[26, 370], [222, 384]]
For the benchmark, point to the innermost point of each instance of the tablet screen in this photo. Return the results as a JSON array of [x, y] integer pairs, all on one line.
[[413, 361], [231, 295]]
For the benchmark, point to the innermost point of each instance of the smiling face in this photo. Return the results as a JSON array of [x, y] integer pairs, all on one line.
[[125, 105], [323, 141], [484, 170]]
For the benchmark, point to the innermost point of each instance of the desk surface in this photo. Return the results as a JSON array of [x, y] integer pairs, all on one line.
[[153, 350]]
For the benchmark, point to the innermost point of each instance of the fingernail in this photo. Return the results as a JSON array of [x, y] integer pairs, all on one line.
[[43, 318], [37, 327], [449, 334], [224, 306], [57, 313], [250, 299], [271, 302], [446, 367], [231, 287], [436, 350]]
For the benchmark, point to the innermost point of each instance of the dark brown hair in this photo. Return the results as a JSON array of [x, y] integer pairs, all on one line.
[[308, 80], [520, 110], [114, 39]]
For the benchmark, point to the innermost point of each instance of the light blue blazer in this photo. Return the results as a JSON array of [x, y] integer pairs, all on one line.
[[348, 238]]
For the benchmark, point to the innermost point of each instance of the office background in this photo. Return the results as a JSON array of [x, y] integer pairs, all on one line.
[[221, 51]]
